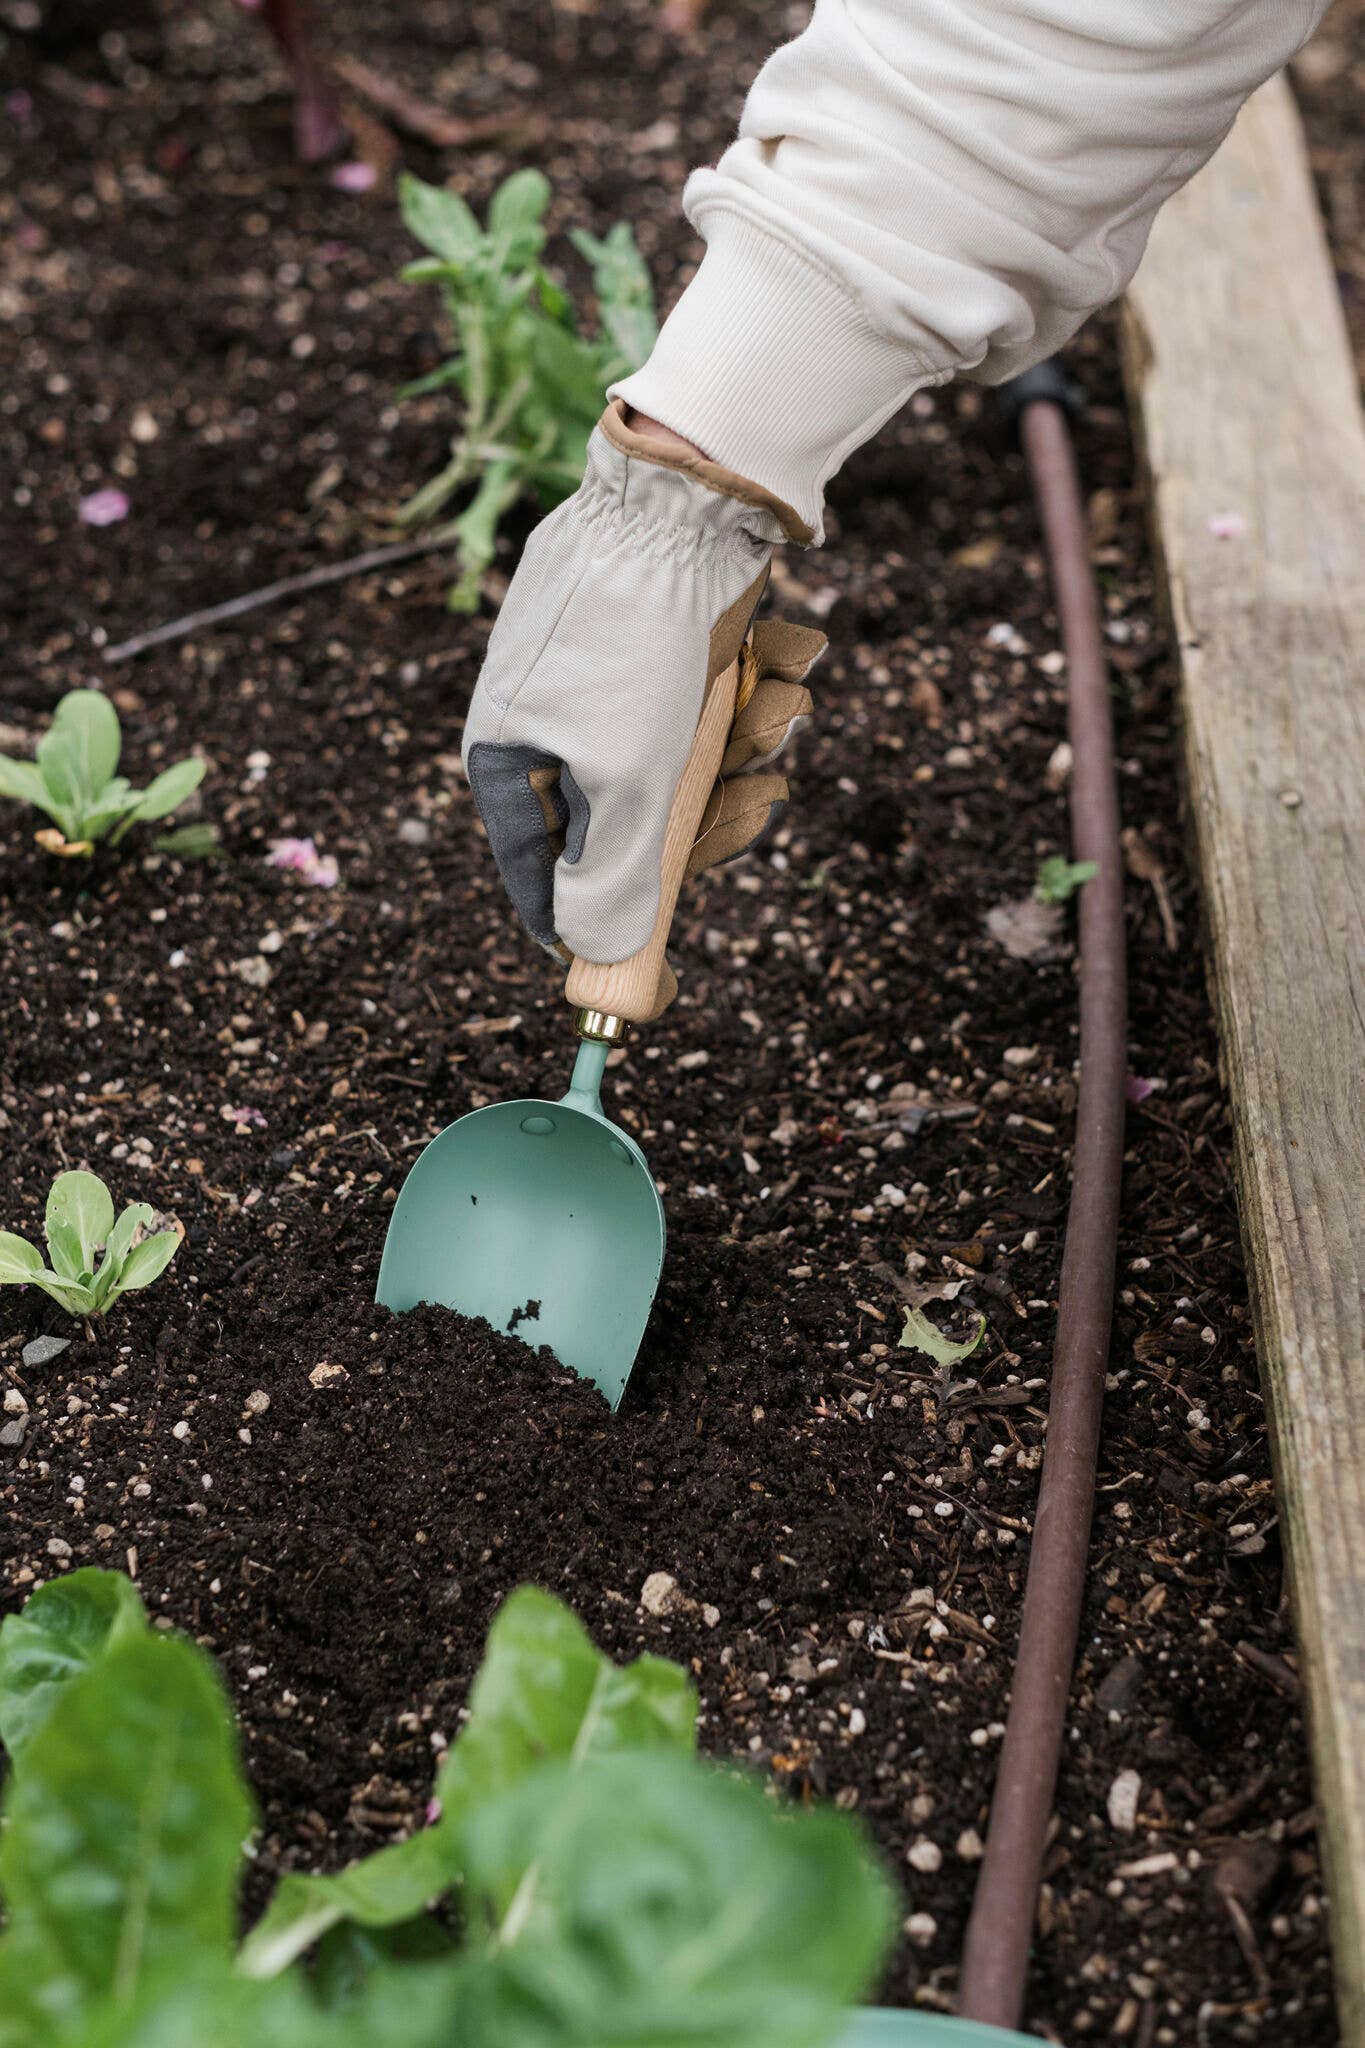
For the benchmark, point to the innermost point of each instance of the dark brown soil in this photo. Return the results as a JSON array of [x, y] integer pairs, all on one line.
[[857, 1085]]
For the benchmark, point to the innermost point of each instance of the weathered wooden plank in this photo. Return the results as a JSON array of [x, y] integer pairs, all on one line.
[[1250, 417]]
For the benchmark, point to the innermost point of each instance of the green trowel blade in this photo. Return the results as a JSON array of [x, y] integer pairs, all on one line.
[[885, 2027], [541, 1217]]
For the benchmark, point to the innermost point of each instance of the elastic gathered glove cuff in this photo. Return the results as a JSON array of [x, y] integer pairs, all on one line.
[[769, 364]]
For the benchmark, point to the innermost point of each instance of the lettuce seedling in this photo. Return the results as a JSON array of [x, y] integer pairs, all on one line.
[[79, 1223], [611, 1886], [1060, 878], [532, 386], [74, 780]]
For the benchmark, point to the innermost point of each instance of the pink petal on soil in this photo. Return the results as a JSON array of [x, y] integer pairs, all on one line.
[[301, 857], [1137, 1090], [354, 177], [298, 855], [1227, 525], [245, 1119], [432, 1814], [103, 508]]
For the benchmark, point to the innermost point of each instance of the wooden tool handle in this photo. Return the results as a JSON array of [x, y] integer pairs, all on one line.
[[640, 987]]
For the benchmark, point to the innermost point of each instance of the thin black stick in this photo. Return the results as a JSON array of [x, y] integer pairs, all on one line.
[[271, 593]]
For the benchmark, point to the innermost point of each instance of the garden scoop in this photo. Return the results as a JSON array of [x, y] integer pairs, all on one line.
[[542, 1217]]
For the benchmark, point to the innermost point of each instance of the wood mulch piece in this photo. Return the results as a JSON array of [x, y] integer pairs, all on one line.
[[859, 1087]]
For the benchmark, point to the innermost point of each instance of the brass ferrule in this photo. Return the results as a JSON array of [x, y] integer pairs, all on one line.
[[601, 1026]]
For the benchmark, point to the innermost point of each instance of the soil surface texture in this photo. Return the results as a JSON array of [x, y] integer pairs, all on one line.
[[862, 1099]]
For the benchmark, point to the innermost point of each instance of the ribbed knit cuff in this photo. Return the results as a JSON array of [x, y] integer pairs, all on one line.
[[769, 365]]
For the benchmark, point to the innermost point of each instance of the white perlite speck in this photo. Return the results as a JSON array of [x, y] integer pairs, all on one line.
[[924, 1855], [1123, 1801], [659, 1594]]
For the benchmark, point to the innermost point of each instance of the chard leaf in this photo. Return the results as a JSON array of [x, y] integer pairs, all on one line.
[[73, 1295], [190, 842], [20, 1262], [136, 1216], [64, 1249], [114, 799], [168, 791], [1059, 878], [57, 765], [123, 1836], [23, 780], [145, 1262], [544, 1691], [605, 1903], [62, 1630], [89, 724], [519, 202], [440, 220], [383, 1890], [920, 1335], [214, 2008], [80, 1209]]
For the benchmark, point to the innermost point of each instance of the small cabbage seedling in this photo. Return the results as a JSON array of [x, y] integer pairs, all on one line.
[[74, 779], [80, 1223], [532, 385], [1060, 878]]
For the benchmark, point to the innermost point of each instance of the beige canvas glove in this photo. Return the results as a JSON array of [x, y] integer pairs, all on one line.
[[631, 596]]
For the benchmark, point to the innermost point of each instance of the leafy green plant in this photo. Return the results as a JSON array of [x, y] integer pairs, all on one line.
[[78, 1225], [1060, 878], [611, 1887], [75, 781], [532, 386]]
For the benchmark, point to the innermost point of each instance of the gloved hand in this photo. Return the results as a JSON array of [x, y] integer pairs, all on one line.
[[630, 598]]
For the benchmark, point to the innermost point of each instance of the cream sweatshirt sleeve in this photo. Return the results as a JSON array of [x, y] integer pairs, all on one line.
[[927, 188]]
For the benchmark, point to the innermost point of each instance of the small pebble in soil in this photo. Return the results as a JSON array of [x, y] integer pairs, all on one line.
[[42, 1350]]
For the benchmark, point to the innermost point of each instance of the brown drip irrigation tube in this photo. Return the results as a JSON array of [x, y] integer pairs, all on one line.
[[999, 1933]]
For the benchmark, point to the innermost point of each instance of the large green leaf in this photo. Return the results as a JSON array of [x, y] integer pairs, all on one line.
[[169, 790], [80, 1209], [648, 1900], [89, 724], [214, 2008], [546, 1692], [20, 1262], [62, 1630], [543, 1692], [440, 220], [123, 1836]]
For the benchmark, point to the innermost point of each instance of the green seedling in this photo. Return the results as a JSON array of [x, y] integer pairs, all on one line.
[[79, 1225], [74, 780], [532, 387], [611, 1885], [1060, 878], [920, 1335]]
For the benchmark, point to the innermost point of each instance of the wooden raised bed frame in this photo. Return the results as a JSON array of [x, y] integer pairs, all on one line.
[[1249, 412]]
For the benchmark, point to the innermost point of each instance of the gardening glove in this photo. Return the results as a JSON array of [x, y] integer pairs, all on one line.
[[631, 596]]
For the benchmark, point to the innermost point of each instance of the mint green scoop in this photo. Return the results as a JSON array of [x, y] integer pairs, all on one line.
[[541, 1217]]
